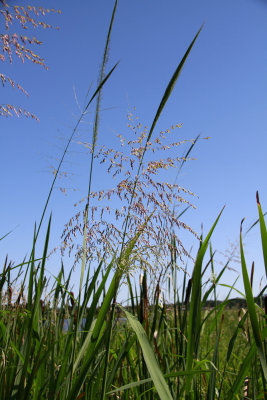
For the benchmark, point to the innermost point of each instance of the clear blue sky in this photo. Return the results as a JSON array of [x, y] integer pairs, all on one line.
[[221, 93]]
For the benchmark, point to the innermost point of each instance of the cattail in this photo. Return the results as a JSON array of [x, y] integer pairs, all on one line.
[[246, 387], [9, 295], [72, 302], [42, 306]]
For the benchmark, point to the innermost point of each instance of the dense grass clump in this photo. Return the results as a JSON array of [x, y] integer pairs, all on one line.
[[92, 347]]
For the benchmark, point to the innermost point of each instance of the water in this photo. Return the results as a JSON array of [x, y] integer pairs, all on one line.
[[121, 321]]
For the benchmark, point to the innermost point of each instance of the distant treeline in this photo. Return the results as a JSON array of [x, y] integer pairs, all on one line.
[[237, 303]]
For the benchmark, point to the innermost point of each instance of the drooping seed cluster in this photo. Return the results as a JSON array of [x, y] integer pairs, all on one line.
[[12, 43], [151, 193]]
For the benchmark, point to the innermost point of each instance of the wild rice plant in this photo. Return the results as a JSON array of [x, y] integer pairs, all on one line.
[[62, 346]]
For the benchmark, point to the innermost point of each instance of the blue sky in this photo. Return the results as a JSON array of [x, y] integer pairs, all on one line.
[[221, 93]]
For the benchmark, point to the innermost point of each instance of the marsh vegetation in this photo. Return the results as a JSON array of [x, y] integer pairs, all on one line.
[[164, 342]]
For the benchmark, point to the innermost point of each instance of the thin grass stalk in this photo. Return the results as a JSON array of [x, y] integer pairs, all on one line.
[[154, 370], [166, 376], [245, 363], [129, 285], [31, 325], [163, 102], [184, 157], [195, 310], [215, 361], [106, 363], [95, 134], [98, 334], [68, 144], [123, 354], [231, 347], [156, 308], [63, 157]]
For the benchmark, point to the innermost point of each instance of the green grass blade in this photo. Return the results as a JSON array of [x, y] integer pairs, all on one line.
[[233, 338], [123, 352], [195, 309], [171, 85], [212, 380], [166, 376], [184, 157], [96, 297], [95, 134], [163, 102], [94, 339], [102, 75], [242, 372], [68, 144], [8, 233], [252, 309], [213, 286], [263, 233], [101, 318], [89, 292], [84, 346], [148, 352]]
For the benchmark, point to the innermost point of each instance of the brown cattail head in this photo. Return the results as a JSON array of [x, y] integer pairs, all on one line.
[[252, 274], [9, 294], [246, 387], [42, 306], [18, 299], [72, 302], [257, 198]]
